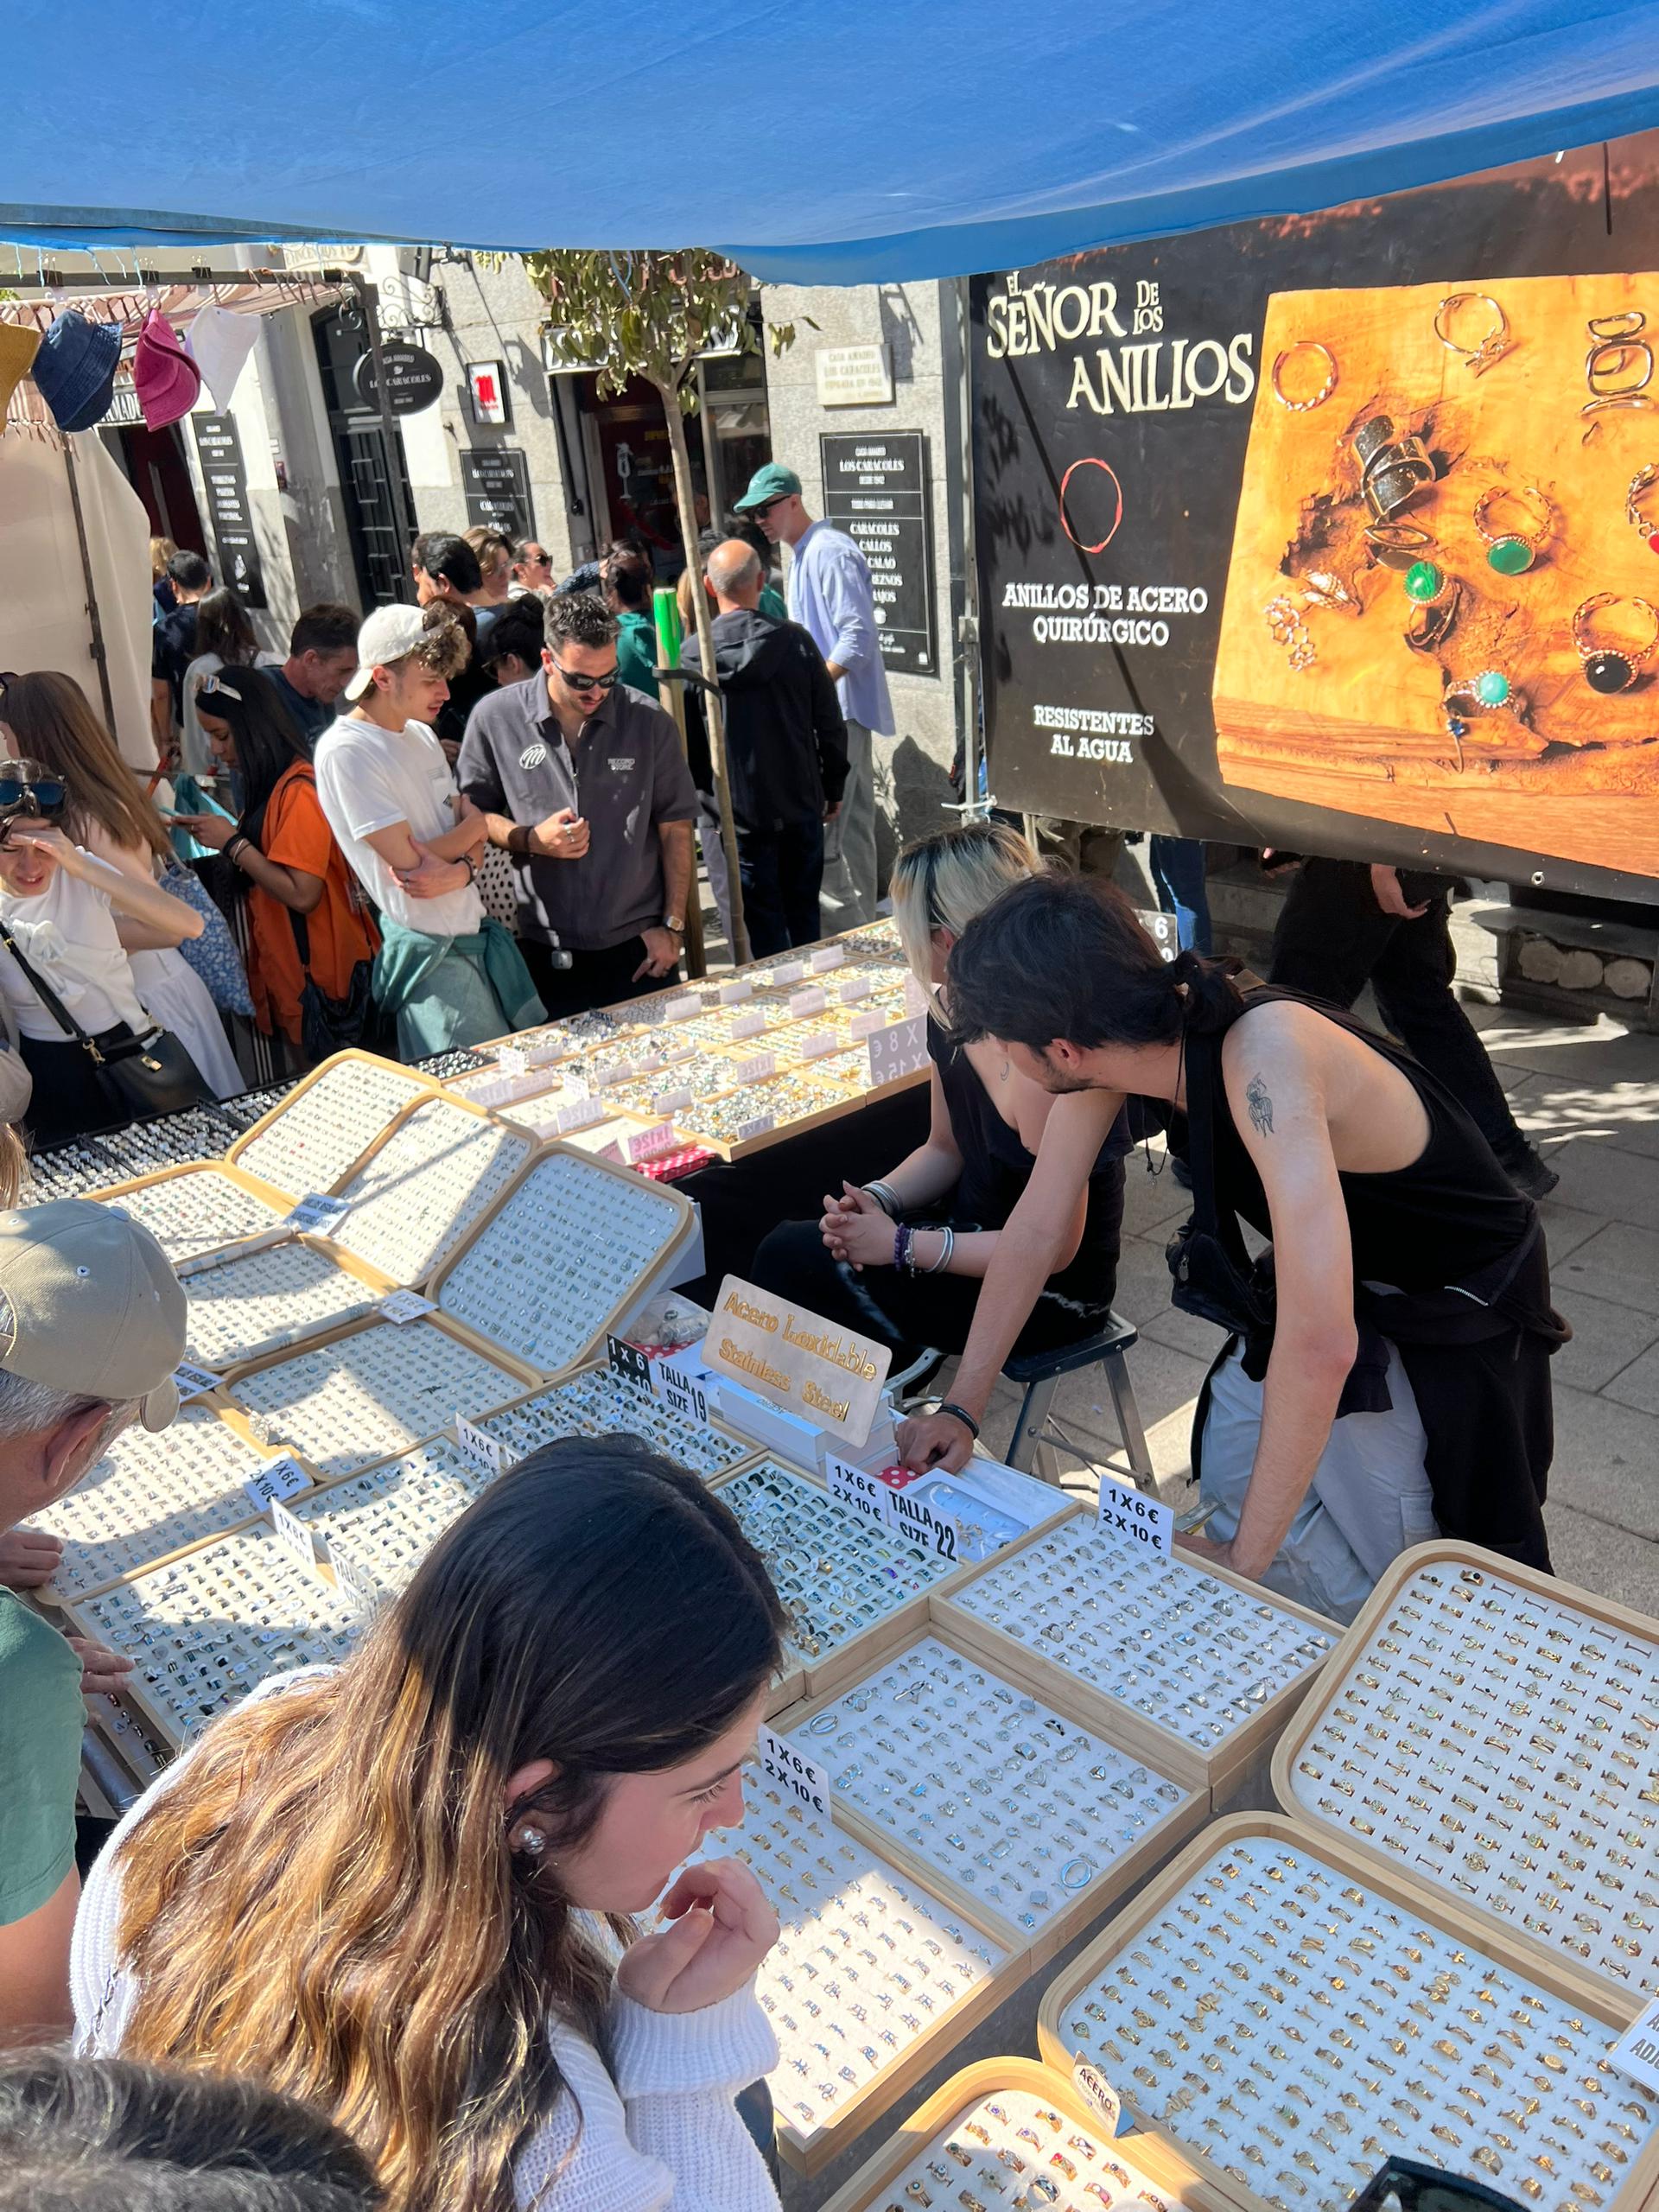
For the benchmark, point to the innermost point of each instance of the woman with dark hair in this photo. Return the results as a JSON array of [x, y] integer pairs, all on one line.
[[404, 1889], [286, 856], [225, 638], [103, 2135]]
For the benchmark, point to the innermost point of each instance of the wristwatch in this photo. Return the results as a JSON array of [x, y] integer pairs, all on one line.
[[675, 924]]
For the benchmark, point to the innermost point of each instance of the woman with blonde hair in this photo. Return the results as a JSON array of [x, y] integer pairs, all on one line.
[[901, 1258], [404, 1891], [50, 720]]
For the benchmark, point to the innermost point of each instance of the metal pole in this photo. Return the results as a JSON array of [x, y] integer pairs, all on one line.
[[368, 298], [99, 656], [974, 808]]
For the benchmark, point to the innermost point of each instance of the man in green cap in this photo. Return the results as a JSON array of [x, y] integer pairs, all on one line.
[[91, 1326], [832, 594]]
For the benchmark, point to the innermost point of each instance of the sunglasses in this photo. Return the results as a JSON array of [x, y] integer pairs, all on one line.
[[767, 506], [1414, 2187], [25, 787], [579, 683]]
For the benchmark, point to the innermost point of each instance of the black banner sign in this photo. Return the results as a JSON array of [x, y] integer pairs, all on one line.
[[875, 489], [496, 479], [1339, 533], [226, 478]]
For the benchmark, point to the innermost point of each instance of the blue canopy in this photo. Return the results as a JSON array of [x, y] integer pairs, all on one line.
[[843, 143]]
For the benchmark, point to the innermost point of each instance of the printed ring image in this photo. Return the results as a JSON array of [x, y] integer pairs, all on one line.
[[1090, 461]]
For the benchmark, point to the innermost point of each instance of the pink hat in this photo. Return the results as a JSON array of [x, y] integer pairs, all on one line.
[[165, 378]]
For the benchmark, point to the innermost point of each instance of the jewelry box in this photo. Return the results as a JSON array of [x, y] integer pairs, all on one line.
[[245, 1305], [312, 1138], [440, 1169], [596, 1402], [191, 1210]]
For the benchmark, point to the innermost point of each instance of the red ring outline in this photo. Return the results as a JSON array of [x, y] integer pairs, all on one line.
[[1091, 462]]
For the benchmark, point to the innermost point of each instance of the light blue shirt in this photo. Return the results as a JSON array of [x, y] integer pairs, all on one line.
[[830, 595]]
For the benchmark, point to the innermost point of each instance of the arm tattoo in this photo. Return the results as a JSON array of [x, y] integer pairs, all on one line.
[[1259, 1101]]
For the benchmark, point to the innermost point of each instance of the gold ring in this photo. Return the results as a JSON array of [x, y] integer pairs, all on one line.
[[1494, 344], [1511, 552], [1641, 484], [1316, 399]]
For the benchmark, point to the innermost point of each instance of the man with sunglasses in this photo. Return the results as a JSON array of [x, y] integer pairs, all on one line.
[[832, 594], [583, 780]]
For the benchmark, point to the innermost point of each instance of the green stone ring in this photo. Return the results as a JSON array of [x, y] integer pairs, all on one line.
[[1511, 548], [1426, 581]]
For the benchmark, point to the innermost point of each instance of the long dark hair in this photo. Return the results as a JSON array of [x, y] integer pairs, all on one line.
[[223, 627], [267, 741], [325, 1900], [1063, 956]]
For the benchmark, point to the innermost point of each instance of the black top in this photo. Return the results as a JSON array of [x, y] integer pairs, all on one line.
[[996, 1167], [786, 739]]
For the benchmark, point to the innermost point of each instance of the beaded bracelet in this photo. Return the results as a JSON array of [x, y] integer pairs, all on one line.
[[901, 1256]]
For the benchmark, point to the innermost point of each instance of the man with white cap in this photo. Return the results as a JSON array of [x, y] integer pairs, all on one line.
[[91, 1326], [450, 975]]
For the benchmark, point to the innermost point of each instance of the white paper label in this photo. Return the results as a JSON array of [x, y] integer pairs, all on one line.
[[1636, 2052], [293, 1534], [748, 1025], [625, 1071], [916, 998], [576, 1085], [512, 1059], [581, 1113], [919, 1523], [283, 1477], [1129, 1516], [855, 988], [195, 1381], [801, 1779], [856, 1486], [900, 1049], [685, 1050], [402, 1305], [651, 1144], [833, 955], [648, 1063], [756, 1128], [757, 1067], [486, 1453], [1093, 2087], [358, 1584], [682, 1009], [671, 1101], [675, 1387], [317, 1211], [734, 994], [868, 1025], [819, 1044], [501, 1092], [804, 1004], [788, 971]]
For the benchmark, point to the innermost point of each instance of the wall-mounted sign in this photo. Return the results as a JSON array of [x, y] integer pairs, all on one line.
[[487, 388], [875, 489], [496, 480], [853, 376], [226, 480], [414, 379]]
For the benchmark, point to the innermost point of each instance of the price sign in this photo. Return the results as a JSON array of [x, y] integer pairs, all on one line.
[[486, 1453], [734, 994], [293, 1534], [195, 1381], [819, 1044], [748, 1025], [682, 1008], [832, 956], [360, 1587], [675, 1387], [803, 1004], [318, 1211], [671, 1101], [499, 1093], [788, 971], [916, 997], [685, 1050], [648, 1063], [1093, 2087], [512, 1059], [1129, 1517], [283, 1477], [624, 1072], [575, 1085], [581, 1113], [898, 1050], [914, 1518], [856, 1486], [651, 1144], [867, 1024], [1636, 2052], [855, 988], [757, 1067], [402, 1305], [801, 1779], [757, 1126], [629, 1362]]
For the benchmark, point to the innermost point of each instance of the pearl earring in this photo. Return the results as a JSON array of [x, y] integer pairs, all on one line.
[[533, 1841]]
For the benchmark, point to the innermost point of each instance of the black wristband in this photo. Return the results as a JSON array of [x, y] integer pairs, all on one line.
[[956, 1413]]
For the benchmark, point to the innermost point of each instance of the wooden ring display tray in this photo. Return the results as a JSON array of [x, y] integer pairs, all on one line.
[[593, 1400], [415, 1199], [1363, 2016], [1158, 2174], [1435, 1767], [168, 1202], [1047, 1657], [300, 1145], [1040, 1936], [560, 1258], [220, 1280]]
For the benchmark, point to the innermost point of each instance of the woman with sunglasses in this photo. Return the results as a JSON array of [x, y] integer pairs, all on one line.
[[901, 1258], [51, 720], [406, 1890]]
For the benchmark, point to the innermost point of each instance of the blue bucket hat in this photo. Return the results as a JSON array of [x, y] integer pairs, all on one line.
[[74, 369]]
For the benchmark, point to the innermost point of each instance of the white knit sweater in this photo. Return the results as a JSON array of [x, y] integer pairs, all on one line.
[[661, 2132]]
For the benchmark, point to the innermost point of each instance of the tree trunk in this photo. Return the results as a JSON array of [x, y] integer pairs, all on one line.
[[712, 706]]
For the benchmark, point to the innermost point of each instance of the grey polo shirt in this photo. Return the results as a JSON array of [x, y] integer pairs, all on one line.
[[627, 775]]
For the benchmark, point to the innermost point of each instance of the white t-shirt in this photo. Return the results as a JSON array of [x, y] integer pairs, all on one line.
[[67, 933], [367, 780]]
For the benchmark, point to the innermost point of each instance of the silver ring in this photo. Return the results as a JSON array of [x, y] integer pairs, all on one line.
[[1085, 1878], [823, 1724]]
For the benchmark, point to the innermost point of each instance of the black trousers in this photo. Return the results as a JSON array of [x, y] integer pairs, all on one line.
[[1333, 938], [782, 870], [592, 979]]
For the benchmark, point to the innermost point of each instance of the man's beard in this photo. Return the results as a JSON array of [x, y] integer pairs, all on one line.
[[1061, 1086]]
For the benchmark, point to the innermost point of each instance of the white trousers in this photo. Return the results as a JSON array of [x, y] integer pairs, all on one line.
[[847, 900]]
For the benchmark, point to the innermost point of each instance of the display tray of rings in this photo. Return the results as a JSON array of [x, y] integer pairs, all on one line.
[[1009, 2135], [194, 1208], [1496, 1732], [1011, 1804], [370, 1532], [1192, 1665], [317, 1133], [596, 1402], [245, 1305], [430, 1179], [1289, 2015], [875, 1973]]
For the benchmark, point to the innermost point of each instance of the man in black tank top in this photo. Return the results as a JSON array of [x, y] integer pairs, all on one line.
[[1386, 1377]]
